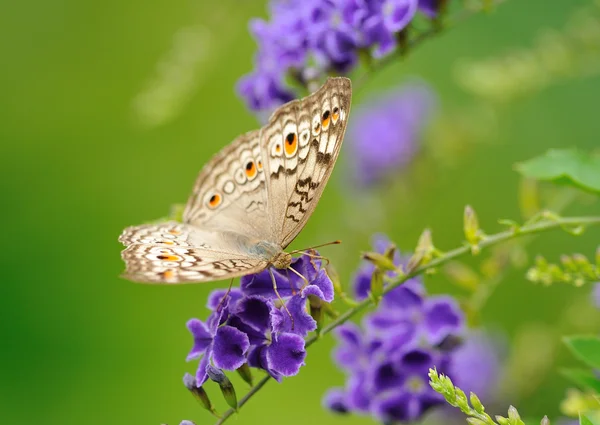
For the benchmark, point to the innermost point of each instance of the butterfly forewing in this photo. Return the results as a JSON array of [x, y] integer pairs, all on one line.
[[301, 143], [230, 191]]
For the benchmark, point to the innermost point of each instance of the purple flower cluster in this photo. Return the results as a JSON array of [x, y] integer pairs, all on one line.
[[388, 359], [250, 325], [306, 38], [384, 133]]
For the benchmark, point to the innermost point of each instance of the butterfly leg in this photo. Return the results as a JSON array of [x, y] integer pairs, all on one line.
[[279, 296], [225, 296], [306, 282]]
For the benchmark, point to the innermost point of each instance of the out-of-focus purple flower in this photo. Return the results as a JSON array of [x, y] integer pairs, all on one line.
[[596, 295], [431, 8], [323, 36], [477, 365], [384, 134], [251, 325], [387, 359]]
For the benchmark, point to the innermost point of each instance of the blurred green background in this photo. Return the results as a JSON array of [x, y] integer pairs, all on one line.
[[79, 344]]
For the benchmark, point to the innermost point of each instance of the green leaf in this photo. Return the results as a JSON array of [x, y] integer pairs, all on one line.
[[583, 378], [583, 420], [565, 166], [586, 348]]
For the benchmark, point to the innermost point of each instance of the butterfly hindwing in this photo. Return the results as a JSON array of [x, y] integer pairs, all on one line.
[[301, 144], [173, 253]]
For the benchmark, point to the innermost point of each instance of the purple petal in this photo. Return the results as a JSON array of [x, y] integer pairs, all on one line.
[[230, 347], [359, 394], [402, 298], [260, 284], [298, 321], [286, 354], [215, 298], [202, 338], [201, 375], [443, 317], [476, 365], [387, 376], [416, 362], [256, 312], [335, 400], [257, 357], [255, 337], [362, 281], [397, 407], [348, 353], [398, 13], [324, 283]]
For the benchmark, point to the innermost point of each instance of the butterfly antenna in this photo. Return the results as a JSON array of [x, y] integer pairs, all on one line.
[[279, 296], [296, 251], [225, 296]]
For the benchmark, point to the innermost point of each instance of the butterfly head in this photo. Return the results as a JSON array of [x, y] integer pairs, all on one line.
[[282, 260]]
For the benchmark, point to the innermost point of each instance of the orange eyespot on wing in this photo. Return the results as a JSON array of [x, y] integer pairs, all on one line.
[[169, 257], [291, 144], [251, 169], [215, 200], [325, 120], [335, 115]]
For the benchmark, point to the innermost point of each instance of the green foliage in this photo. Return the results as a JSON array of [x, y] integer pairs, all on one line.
[[584, 420], [583, 378], [565, 166], [586, 349]]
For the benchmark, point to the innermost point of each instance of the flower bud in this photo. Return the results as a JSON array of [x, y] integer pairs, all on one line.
[[513, 414], [475, 421], [545, 421], [376, 285], [471, 226], [225, 384], [381, 261], [476, 403], [198, 392], [245, 372]]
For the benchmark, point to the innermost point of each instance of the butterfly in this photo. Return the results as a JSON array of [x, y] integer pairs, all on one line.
[[250, 200]]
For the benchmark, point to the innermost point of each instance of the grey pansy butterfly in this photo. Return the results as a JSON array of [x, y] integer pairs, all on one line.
[[250, 200]]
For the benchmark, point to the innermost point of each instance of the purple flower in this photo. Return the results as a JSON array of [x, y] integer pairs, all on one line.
[[431, 8], [384, 133], [318, 35], [387, 359], [596, 295], [477, 364], [251, 325]]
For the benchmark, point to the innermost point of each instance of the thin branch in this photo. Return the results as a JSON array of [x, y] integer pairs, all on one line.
[[529, 229]]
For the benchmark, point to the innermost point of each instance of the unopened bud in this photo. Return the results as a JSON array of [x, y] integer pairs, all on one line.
[[502, 420], [245, 372], [471, 226], [513, 414], [475, 421], [225, 384], [380, 260], [476, 403], [545, 421], [377, 285], [198, 392]]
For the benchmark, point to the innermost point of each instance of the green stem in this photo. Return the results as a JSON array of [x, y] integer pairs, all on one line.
[[529, 229]]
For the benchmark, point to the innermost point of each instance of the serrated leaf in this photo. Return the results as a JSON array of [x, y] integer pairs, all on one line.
[[565, 166], [585, 348], [583, 378]]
